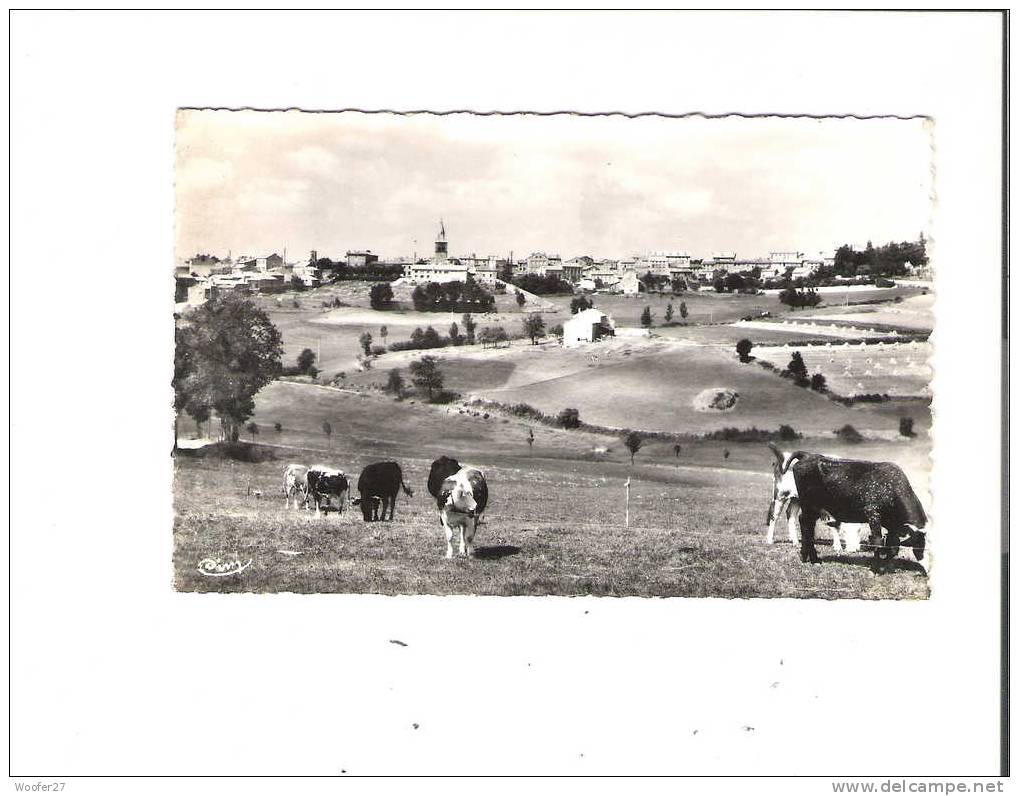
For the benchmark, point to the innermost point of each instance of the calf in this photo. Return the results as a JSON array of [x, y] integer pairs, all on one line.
[[875, 493], [378, 487], [295, 482], [850, 534], [461, 499], [325, 483]]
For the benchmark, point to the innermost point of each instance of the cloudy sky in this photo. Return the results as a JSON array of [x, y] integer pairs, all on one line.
[[252, 183]]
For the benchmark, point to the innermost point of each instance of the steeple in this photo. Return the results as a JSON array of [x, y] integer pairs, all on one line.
[[440, 242]]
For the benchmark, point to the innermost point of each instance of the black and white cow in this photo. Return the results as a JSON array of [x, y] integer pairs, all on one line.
[[875, 493], [378, 487], [325, 483], [295, 482], [461, 499]]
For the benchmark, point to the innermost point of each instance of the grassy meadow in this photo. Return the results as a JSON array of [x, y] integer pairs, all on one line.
[[556, 520]]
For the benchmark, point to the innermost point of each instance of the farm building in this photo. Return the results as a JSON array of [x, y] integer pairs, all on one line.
[[587, 326]]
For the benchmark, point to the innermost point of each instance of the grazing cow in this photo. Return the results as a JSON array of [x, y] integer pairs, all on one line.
[[325, 483], [462, 498], [295, 482], [876, 493], [378, 487]]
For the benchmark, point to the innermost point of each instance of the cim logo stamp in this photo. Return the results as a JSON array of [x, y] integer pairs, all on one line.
[[218, 568]]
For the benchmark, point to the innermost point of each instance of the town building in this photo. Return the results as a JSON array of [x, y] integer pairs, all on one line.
[[629, 284], [443, 268], [360, 259]]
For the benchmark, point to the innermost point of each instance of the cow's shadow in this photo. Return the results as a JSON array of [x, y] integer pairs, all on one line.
[[867, 560], [495, 552]]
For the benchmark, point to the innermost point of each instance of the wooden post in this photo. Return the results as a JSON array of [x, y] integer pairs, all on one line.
[[627, 486]]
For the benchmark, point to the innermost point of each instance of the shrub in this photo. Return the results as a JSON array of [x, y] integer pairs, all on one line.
[[381, 296], [580, 303], [378, 349], [743, 349], [848, 434], [569, 418], [395, 384], [787, 433], [906, 426], [540, 285], [645, 317], [818, 383]]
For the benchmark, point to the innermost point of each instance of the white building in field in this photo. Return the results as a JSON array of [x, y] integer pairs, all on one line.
[[587, 326]]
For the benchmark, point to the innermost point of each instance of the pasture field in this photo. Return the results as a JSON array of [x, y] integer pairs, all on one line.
[[899, 369], [707, 307], [652, 386], [916, 312], [554, 524]]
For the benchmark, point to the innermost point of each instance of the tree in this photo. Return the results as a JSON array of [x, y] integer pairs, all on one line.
[[557, 331], [227, 350], [668, 313], [743, 349], [530, 438], [327, 429], [381, 296], [534, 327], [906, 426], [633, 443], [580, 303], [366, 343], [645, 317], [469, 326], [454, 334], [395, 383], [725, 454], [818, 382], [677, 449], [278, 427], [682, 310], [383, 333], [798, 369], [569, 418], [521, 300], [306, 361], [252, 428], [425, 375]]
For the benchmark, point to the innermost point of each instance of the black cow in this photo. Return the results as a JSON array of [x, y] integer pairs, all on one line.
[[325, 483], [378, 486], [876, 493]]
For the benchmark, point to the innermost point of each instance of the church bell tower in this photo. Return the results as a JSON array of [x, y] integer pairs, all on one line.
[[440, 243]]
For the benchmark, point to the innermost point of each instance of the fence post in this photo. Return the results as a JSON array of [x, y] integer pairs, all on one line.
[[627, 486]]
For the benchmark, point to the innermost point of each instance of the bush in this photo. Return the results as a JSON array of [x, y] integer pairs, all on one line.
[[378, 349], [466, 296], [787, 433], [580, 303], [541, 285], [848, 434], [906, 427], [569, 418], [743, 349], [818, 383], [799, 298], [381, 296]]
